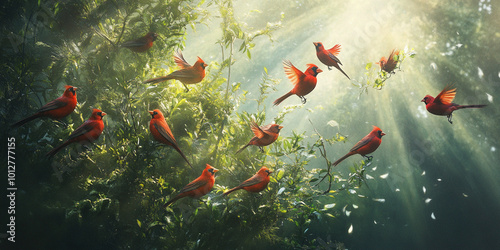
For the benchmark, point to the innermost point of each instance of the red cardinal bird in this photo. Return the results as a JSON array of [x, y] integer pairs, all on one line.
[[141, 44], [303, 83], [187, 74], [329, 57], [255, 184], [162, 133], [367, 145], [442, 104], [199, 187], [56, 109], [264, 135], [388, 65], [88, 132]]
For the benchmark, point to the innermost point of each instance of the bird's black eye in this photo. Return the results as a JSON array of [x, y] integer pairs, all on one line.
[[155, 113]]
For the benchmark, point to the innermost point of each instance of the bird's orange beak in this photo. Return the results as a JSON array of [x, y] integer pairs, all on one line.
[[319, 70], [382, 134], [215, 170], [315, 44], [423, 100], [280, 127], [103, 114], [75, 88], [151, 112]]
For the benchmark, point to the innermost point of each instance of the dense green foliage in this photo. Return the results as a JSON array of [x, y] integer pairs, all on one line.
[[111, 196]]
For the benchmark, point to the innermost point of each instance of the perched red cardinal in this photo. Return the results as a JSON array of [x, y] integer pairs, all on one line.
[[388, 65], [329, 57], [56, 109], [367, 145], [442, 104], [199, 187], [141, 44], [255, 184], [88, 132], [303, 83], [187, 74], [162, 133], [264, 135]]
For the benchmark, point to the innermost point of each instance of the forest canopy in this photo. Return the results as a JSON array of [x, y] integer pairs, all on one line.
[[109, 194]]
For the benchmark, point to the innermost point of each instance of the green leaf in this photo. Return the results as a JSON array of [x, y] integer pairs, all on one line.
[[368, 66]]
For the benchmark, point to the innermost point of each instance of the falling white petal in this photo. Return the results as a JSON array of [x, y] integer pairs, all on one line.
[[384, 176], [428, 200], [361, 196], [379, 200], [369, 177], [433, 65], [439, 179], [355, 206], [432, 216], [423, 189], [374, 168], [465, 195], [333, 123], [352, 191], [493, 149], [480, 72], [328, 206], [490, 97], [423, 173], [350, 229], [375, 222], [397, 190], [348, 213], [281, 190]]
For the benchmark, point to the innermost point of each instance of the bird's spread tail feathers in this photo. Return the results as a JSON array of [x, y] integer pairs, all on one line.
[[184, 156], [57, 149], [241, 149], [171, 201], [158, 79], [344, 73], [279, 100], [471, 106], [342, 158], [25, 120], [231, 190]]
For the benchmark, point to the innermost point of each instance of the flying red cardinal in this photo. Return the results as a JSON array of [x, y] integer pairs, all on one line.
[[329, 57], [367, 145], [388, 65], [88, 132], [255, 184], [199, 187], [303, 83], [141, 44], [442, 104], [56, 109], [162, 133], [187, 74], [264, 135]]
